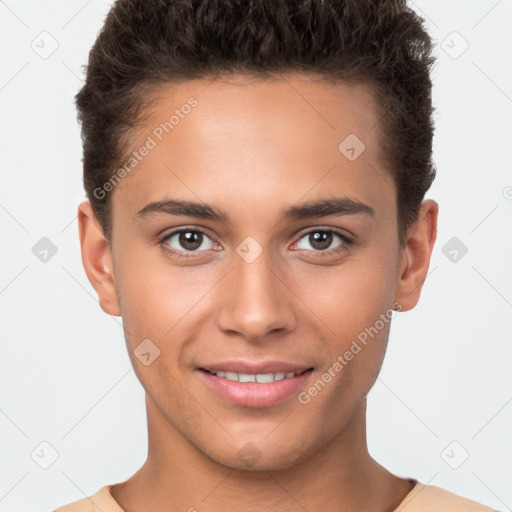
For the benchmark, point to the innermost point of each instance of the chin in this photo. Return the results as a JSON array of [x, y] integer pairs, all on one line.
[[263, 456]]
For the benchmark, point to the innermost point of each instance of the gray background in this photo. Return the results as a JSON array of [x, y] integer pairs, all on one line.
[[65, 378]]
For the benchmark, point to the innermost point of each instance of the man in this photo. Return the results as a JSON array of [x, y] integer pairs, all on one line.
[[256, 175]]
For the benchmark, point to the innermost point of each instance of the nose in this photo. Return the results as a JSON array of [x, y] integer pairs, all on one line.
[[256, 300]]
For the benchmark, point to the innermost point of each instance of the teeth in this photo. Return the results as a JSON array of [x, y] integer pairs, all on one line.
[[245, 377], [262, 378]]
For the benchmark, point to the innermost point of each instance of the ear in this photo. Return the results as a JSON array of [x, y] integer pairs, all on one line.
[[97, 259], [416, 254]]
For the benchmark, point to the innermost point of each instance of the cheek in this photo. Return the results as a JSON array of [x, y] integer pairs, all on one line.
[[354, 302], [359, 317], [350, 297], [154, 296]]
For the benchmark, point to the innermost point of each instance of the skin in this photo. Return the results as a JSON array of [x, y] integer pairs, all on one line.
[[254, 148]]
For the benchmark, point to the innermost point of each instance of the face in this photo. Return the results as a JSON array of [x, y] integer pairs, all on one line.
[[256, 263]]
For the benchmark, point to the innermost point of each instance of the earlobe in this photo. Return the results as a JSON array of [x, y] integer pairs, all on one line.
[[97, 259], [416, 255]]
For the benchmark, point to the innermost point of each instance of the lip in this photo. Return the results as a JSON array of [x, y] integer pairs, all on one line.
[[252, 394]]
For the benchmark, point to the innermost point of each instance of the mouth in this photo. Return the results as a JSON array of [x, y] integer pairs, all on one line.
[[255, 388], [260, 378]]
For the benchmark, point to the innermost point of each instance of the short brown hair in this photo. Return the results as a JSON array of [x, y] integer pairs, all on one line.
[[147, 43]]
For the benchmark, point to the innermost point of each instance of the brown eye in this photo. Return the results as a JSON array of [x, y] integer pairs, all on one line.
[[320, 239], [190, 240], [323, 241], [183, 241]]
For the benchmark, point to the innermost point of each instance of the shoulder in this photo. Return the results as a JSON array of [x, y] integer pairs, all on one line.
[[101, 500], [430, 498]]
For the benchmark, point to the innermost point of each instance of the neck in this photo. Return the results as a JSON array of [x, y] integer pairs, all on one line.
[[341, 475]]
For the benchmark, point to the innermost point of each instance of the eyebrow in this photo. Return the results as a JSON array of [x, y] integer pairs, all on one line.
[[312, 209]]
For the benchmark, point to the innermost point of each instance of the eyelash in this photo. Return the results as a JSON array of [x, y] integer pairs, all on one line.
[[320, 253]]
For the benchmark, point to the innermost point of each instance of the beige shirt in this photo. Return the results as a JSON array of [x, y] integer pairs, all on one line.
[[422, 498]]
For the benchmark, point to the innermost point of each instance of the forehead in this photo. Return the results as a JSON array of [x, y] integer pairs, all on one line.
[[282, 109], [293, 134]]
